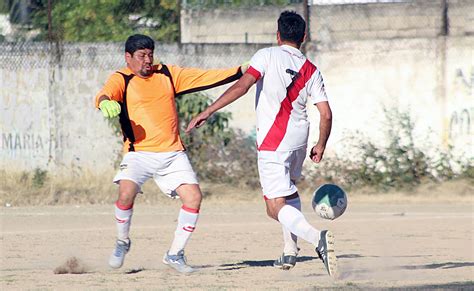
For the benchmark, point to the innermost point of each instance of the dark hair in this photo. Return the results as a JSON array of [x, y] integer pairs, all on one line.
[[138, 42], [291, 27]]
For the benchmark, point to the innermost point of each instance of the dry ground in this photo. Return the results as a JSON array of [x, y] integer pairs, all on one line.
[[383, 241]]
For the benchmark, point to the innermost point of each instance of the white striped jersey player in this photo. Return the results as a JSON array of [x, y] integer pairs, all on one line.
[[286, 79]]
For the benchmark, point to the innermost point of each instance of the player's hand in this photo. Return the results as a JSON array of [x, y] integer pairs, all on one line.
[[197, 121], [244, 67], [316, 153], [109, 108]]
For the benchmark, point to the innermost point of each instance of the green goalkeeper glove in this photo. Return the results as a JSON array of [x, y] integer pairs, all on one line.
[[109, 108]]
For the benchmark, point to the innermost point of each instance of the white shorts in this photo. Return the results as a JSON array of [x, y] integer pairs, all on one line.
[[279, 171], [169, 170]]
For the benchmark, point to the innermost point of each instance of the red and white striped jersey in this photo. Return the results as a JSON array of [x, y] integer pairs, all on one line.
[[286, 79]]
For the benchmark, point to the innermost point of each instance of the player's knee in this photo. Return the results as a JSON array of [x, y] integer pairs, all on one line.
[[272, 213], [191, 198], [125, 201], [126, 198], [195, 198]]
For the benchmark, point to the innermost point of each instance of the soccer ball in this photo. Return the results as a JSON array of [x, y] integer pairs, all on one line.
[[329, 201]]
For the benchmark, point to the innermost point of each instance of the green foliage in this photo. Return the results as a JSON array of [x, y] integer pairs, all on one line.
[[400, 164], [108, 20], [216, 126], [467, 170], [39, 177], [218, 153], [19, 10], [4, 7]]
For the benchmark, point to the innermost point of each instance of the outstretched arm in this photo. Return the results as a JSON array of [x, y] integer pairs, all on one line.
[[189, 80], [230, 95], [325, 125]]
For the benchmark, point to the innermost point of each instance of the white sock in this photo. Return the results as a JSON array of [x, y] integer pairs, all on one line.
[[290, 240], [295, 222], [187, 220], [123, 217]]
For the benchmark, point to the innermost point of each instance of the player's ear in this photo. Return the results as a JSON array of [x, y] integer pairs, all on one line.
[[304, 38], [128, 57], [278, 38]]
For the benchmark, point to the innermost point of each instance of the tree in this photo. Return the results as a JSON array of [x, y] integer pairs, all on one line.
[[107, 20], [19, 10], [3, 7]]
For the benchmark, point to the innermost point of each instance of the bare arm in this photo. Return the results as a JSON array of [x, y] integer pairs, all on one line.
[[325, 125], [230, 95]]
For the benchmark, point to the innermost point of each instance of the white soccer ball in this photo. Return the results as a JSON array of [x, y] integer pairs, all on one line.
[[329, 201]]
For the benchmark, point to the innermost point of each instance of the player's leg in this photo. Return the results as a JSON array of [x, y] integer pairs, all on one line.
[[325, 247], [274, 170], [297, 224], [292, 218], [124, 208], [130, 178], [191, 196], [123, 217], [275, 177], [179, 177], [287, 260], [291, 240]]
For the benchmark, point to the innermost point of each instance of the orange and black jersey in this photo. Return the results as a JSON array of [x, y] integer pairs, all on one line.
[[148, 117]]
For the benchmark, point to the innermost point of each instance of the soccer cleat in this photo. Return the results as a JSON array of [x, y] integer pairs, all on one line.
[[285, 262], [326, 252], [177, 262], [118, 256]]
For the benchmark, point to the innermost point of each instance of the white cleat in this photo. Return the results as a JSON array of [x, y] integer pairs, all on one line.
[[178, 262], [326, 252], [118, 256]]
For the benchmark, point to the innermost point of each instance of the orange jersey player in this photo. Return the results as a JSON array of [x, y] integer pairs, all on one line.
[[143, 96], [148, 114]]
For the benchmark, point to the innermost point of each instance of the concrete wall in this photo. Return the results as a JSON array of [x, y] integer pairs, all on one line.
[[230, 25], [430, 78], [376, 21], [329, 23], [47, 118], [461, 17]]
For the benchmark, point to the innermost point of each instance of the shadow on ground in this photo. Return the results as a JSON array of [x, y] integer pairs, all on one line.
[[447, 265], [263, 263]]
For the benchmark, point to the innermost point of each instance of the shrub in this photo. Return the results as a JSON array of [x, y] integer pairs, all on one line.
[[39, 177], [217, 152], [399, 164]]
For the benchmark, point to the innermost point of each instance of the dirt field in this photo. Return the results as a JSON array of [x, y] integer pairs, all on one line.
[[382, 242]]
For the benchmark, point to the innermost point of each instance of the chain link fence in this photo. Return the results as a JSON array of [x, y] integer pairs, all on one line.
[[15, 56]]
